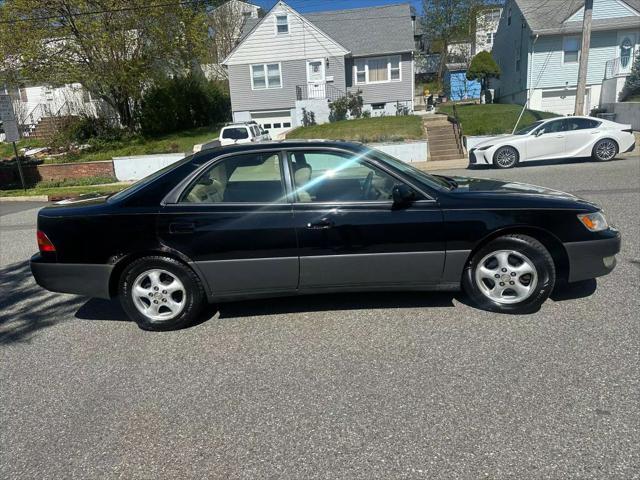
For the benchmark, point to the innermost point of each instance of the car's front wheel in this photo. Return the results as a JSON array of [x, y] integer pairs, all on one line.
[[506, 157], [604, 150], [511, 274], [160, 293]]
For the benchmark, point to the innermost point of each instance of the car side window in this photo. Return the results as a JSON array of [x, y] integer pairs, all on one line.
[[249, 178], [235, 133], [553, 127], [327, 176], [581, 123]]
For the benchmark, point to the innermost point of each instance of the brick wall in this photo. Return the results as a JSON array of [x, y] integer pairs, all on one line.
[[55, 171]]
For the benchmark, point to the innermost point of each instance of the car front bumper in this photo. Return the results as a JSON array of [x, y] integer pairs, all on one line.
[[593, 258], [476, 157], [81, 279]]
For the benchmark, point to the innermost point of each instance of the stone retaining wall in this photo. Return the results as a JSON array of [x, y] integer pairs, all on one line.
[[55, 171]]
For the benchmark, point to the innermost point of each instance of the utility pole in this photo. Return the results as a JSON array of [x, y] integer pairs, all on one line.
[[584, 58]]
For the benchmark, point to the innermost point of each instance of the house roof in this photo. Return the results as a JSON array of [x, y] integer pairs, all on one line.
[[549, 17], [363, 31]]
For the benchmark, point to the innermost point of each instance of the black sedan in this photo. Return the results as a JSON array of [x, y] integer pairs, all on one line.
[[293, 218]]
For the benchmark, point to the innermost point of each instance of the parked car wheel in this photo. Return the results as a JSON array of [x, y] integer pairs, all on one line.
[[161, 293], [511, 274], [506, 157], [605, 150]]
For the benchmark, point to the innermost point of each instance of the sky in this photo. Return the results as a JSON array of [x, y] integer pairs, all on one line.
[[323, 5]]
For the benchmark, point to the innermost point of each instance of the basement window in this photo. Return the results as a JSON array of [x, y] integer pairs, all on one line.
[[378, 106]]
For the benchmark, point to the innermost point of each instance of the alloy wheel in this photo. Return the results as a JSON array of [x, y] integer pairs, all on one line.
[[506, 276], [158, 294], [506, 157], [606, 150]]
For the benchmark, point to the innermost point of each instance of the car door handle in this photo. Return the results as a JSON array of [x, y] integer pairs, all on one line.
[[182, 227], [322, 224], [559, 136]]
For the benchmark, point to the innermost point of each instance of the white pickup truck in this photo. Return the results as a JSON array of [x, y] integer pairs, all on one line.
[[234, 133]]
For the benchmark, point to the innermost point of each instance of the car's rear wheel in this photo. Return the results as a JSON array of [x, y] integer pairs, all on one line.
[[506, 157], [511, 274], [605, 150], [160, 293]]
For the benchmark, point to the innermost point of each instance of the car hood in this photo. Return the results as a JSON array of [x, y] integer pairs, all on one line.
[[497, 139], [489, 185]]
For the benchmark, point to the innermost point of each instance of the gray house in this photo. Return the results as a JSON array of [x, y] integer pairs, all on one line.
[[287, 61], [538, 47]]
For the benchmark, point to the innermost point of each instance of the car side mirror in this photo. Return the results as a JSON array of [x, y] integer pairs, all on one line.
[[402, 195], [539, 132]]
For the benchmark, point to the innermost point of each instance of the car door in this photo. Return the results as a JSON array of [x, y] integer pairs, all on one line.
[[581, 133], [350, 235], [235, 223], [548, 141]]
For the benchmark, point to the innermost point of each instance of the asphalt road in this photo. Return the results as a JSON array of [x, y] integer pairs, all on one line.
[[376, 386]]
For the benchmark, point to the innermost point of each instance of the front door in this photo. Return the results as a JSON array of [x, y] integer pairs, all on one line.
[[349, 233], [316, 84], [626, 51], [548, 141], [236, 224]]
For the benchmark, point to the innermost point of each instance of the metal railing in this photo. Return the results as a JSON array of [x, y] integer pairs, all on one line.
[[457, 130], [615, 68], [318, 91]]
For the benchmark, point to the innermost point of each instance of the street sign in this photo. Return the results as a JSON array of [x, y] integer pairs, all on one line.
[[11, 133], [6, 109]]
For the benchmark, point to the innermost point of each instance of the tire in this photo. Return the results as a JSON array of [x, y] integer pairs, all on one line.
[[506, 157], [530, 290], [141, 290], [604, 150]]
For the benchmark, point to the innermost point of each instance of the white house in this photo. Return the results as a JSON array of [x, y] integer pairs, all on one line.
[[538, 45], [487, 22]]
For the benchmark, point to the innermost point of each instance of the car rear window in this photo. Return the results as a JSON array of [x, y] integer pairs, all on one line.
[[235, 133]]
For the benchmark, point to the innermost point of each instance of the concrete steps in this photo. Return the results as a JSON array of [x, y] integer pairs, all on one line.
[[441, 136], [48, 127]]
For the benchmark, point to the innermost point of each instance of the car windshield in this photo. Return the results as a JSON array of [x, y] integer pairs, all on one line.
[[430, 180], [530, 128]]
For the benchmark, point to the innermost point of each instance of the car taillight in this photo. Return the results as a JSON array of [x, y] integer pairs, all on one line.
[[44, 244]]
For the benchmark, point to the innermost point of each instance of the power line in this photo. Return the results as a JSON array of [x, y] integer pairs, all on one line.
[[100, 12]]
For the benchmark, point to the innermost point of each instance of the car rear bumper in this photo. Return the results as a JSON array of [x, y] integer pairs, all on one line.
[[81, 279], [593, 258]]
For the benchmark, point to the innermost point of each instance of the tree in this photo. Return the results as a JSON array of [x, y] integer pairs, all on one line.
[[114, 48], [631, 86], [482, 68]]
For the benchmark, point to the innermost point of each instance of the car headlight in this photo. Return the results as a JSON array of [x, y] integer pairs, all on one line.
[[485, 148], [594, 222]]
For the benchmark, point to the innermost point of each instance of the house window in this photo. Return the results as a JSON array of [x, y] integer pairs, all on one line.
[[490, 38], [377, 70], [266, 75], [509, 17], [23, 94], [517, 58], [571, 47], [282, 24], [378, 106]]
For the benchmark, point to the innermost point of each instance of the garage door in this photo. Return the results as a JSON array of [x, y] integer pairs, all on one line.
[[273, 122], [562, 102]]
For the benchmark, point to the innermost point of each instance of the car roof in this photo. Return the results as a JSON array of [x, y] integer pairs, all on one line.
[[283, 144]]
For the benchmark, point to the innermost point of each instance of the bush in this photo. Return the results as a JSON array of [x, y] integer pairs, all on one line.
[[632, 84], [350, 104], [182, 103], [84, 128], [308, 118]]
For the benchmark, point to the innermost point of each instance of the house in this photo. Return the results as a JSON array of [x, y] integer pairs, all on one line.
[[537, 47], [286, 62], [456, 85], [487, 21]]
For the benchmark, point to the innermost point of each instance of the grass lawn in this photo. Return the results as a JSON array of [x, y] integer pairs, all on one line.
[[493, 118], [135, 145], [377, 129]]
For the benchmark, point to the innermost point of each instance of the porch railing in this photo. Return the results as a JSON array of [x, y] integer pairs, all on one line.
[[318, 91], [615, 68]]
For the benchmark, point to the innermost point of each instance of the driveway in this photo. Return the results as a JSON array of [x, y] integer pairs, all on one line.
[[339, 386]]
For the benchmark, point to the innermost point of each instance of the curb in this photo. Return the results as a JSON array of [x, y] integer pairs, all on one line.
[[444, 165], [29, 198]]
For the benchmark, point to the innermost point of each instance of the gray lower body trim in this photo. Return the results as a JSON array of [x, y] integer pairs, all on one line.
[[587, 259], [78, 278], [381, 269], [250, 275], [454, 264]]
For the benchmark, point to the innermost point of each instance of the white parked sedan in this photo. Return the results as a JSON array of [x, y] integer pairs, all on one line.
[[555, 138]]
